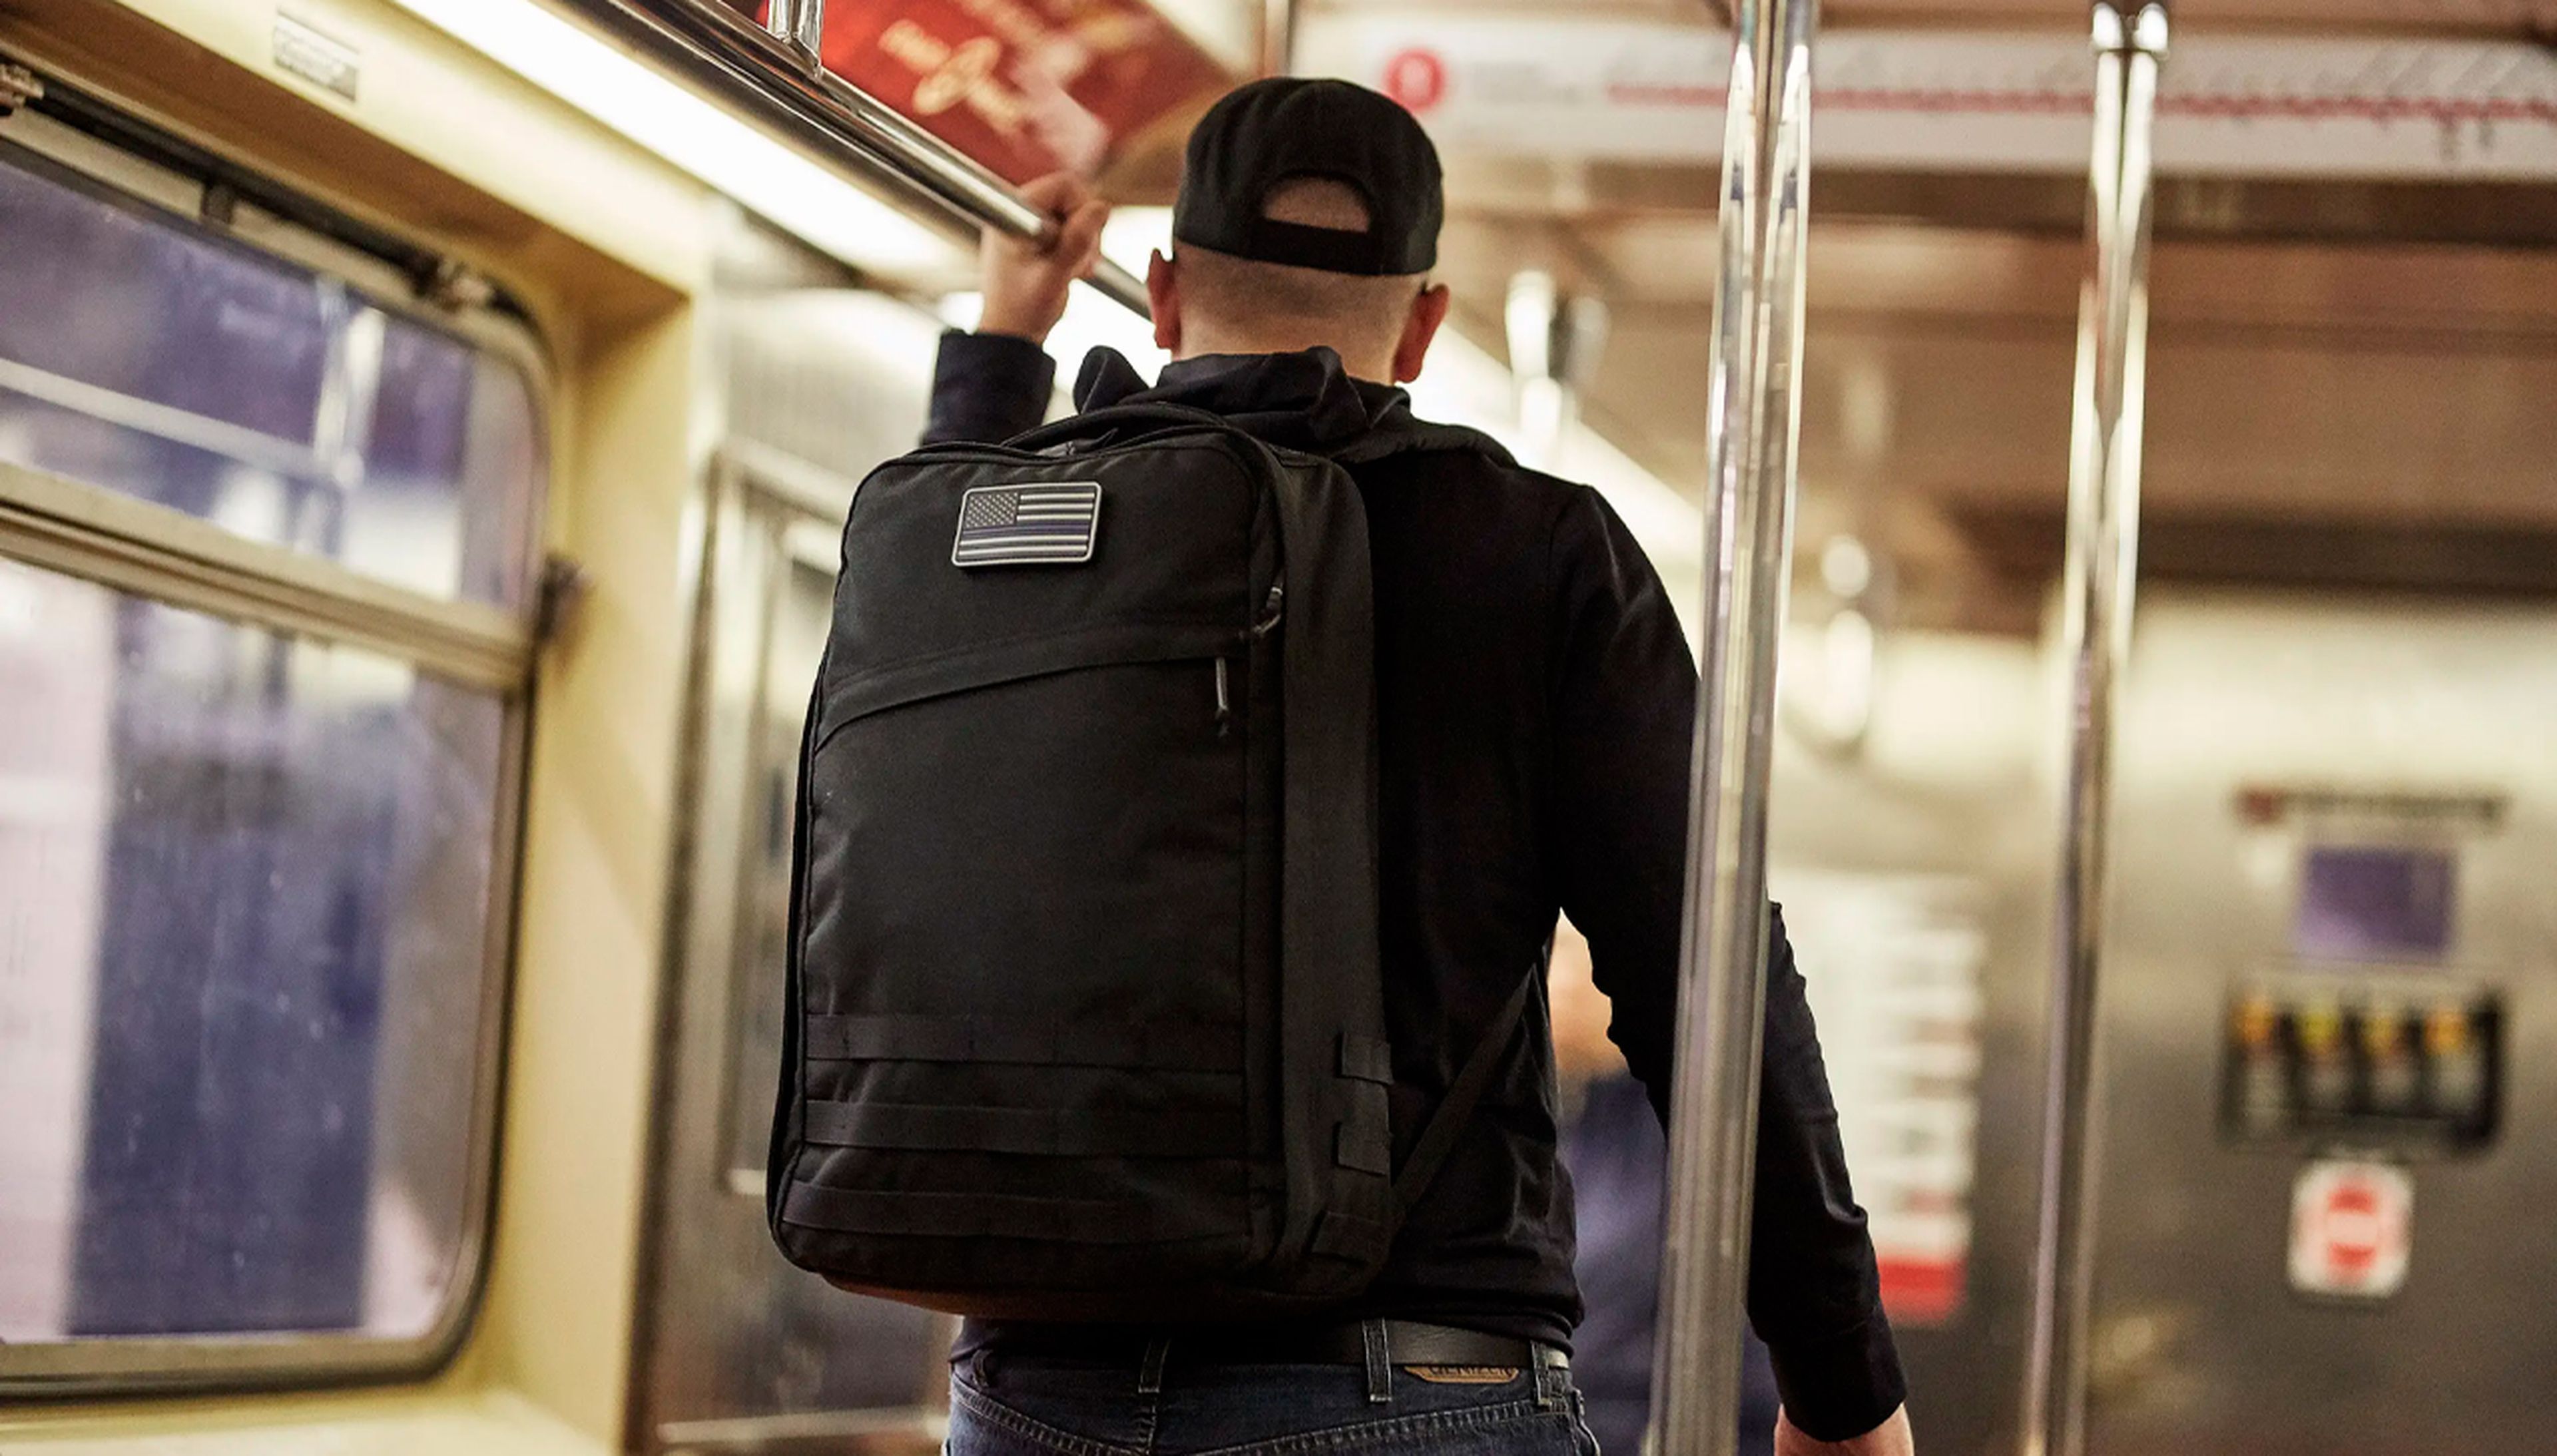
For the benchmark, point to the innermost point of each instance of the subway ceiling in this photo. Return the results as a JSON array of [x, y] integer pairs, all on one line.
[[2514, 18], [2347, 385]]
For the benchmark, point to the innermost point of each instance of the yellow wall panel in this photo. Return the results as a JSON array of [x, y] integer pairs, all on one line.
[[609, 248]]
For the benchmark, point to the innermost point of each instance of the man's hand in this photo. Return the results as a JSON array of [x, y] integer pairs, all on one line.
[[1891, 1438], [1025, 282]]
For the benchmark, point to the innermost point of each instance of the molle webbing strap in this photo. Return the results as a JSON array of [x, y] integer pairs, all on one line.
[[978, 1215], [1365, 1138], [1158, 1047], [1031, 1132], [1367, 1058]]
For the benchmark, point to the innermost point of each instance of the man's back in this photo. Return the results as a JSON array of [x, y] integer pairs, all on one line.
[[1534, 709], [1535, 704]]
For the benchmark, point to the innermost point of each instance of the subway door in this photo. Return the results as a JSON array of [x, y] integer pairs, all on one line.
[[2328, 1183], [740, 1350]]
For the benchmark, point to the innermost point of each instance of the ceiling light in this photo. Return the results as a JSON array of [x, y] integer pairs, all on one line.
[[783, 185]]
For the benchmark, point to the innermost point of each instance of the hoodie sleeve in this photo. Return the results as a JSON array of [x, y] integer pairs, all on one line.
[[987, 387]]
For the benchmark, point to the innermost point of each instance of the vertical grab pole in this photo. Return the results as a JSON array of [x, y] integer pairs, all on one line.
[[1753, 418], [1277, 37], [2096, 586]]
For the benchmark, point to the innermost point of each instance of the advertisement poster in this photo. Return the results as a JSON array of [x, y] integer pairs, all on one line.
[[1024, 86]]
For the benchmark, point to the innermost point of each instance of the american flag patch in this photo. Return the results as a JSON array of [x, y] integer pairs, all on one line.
[[1028, 525]]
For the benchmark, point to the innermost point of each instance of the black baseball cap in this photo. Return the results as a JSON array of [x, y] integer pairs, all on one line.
[[1289, 127]]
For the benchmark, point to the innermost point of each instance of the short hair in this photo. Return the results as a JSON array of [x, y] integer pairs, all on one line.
[[1246, 295]]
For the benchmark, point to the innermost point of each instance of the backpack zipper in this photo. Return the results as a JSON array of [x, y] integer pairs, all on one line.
[[1271, 612]]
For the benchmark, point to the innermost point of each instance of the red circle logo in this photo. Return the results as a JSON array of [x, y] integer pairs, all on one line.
[[1418, 78], [2354, 1227]]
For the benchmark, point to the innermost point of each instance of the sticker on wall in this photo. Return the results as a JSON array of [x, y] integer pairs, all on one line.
[[2352, 1230], [303, 49]]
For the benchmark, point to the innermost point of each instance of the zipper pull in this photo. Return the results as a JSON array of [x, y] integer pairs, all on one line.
[[1270, 610], [1224, 702]]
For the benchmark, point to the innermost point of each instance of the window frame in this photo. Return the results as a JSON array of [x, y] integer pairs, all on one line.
[[91, 532]]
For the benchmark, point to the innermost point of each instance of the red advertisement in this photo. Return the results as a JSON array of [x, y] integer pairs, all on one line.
[[1024, 86]]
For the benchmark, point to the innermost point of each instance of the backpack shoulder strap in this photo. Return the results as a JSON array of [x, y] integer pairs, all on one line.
[[1438, 1137], [1417, 438], [1118, 422], [788, 1111]]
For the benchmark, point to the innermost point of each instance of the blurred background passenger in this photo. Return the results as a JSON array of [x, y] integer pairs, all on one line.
[[1618, 1160]]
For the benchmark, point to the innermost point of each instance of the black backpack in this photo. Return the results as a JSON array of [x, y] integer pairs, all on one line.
[[1088, 1012]]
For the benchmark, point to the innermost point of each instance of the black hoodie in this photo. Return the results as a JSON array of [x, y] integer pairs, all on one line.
[[1535, 715]]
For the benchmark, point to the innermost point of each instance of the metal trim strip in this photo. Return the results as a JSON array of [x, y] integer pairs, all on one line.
[[92, 533], [163, 421]]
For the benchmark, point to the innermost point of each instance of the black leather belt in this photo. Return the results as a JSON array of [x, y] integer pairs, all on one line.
[[1407, 1342]]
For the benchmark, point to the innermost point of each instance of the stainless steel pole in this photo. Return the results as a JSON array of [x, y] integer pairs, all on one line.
[[1753, 418], [2097, 589], [1556, 340], [1277, 37]]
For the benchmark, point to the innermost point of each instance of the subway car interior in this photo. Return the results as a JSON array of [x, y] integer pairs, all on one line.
[[426, 432]]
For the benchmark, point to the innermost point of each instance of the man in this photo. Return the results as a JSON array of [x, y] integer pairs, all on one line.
[[1536, 707]]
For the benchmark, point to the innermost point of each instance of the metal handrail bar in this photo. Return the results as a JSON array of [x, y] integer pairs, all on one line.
[[741, 62], [1753, 419], [2097, 591], [86, 531]]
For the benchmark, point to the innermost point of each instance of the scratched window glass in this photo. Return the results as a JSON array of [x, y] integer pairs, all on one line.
[[245, 900], [141, 353], [249, 881]]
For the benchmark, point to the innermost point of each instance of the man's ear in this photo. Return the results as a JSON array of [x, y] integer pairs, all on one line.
[[1164, 298], [1420, 326]]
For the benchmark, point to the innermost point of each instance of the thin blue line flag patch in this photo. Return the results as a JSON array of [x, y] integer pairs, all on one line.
[[1046, 524]]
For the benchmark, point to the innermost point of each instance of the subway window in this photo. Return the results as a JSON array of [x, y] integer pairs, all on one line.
[[195, 372], [257, 814]]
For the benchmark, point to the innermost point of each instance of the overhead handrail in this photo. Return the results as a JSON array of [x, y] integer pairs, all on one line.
[[1753, 415], [2096, 587], [779, 77]]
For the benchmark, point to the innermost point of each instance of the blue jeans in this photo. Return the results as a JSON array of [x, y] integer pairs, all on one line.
[[1033, 1405]]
